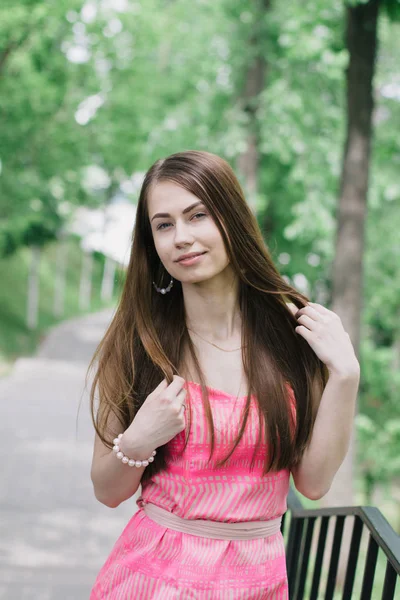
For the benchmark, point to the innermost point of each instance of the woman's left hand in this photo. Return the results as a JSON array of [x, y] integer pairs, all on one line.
[[323, 330]]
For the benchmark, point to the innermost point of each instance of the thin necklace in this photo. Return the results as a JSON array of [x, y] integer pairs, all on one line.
[[219, 348]]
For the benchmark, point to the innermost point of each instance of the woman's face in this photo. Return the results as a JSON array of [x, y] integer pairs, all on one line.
[[181, 224]]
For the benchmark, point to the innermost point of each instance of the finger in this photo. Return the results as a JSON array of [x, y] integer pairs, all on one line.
[[310, 311], [304, 332], [181, 397], [171, 389], [161, 386], [178, 399], [319, 308], [175, 386], [307, 322]]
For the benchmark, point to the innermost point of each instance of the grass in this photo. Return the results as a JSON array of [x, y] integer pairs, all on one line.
[[16, 339]]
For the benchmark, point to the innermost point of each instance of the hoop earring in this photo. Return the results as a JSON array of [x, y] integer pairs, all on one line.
[[164, 290]]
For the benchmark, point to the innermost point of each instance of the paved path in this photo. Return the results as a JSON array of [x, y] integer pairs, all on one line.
[[54, 534]]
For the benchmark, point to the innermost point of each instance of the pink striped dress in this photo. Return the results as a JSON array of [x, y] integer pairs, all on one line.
[[153, 562]]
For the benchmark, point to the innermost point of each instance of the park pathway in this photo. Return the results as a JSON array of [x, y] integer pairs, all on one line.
[[54, 534]]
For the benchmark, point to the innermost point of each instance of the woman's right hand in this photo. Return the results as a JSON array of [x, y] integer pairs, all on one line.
[[160, 418]]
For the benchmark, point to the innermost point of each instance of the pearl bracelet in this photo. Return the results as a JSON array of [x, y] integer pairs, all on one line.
[[130, 461]]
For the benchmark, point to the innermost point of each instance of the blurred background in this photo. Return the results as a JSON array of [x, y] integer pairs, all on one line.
[[303, 100]]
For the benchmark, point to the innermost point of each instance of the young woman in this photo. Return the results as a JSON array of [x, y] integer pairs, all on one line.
[[216, 379]]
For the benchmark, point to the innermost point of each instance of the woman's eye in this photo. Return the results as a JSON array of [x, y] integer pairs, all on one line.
[[161, 225]]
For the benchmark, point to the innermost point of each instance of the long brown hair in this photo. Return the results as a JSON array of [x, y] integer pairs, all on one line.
[[146, 338]]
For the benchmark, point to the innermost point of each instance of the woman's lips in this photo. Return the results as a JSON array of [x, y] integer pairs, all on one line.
[[191, 261]]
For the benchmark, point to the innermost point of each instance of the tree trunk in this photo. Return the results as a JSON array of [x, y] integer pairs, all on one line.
[[32, 308], [107, 284], [347, 276], [396, 355], [85, 288], [60, 276], [248, 161]]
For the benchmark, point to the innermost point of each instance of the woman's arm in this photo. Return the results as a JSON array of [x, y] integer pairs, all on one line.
[[113, 481], [331, 435], [160, 418], [330, 439]]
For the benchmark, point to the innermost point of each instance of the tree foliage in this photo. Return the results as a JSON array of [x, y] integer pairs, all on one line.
[[119, 84]]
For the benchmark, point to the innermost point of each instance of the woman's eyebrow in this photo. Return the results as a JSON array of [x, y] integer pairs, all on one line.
[[185, 210]]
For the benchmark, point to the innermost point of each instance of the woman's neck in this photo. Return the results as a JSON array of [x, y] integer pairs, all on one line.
[[212, 308]]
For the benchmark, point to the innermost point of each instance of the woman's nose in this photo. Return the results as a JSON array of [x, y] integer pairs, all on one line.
[[182, 234]]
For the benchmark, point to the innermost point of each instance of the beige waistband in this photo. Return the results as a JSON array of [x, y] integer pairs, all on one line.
[[246, 530]]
